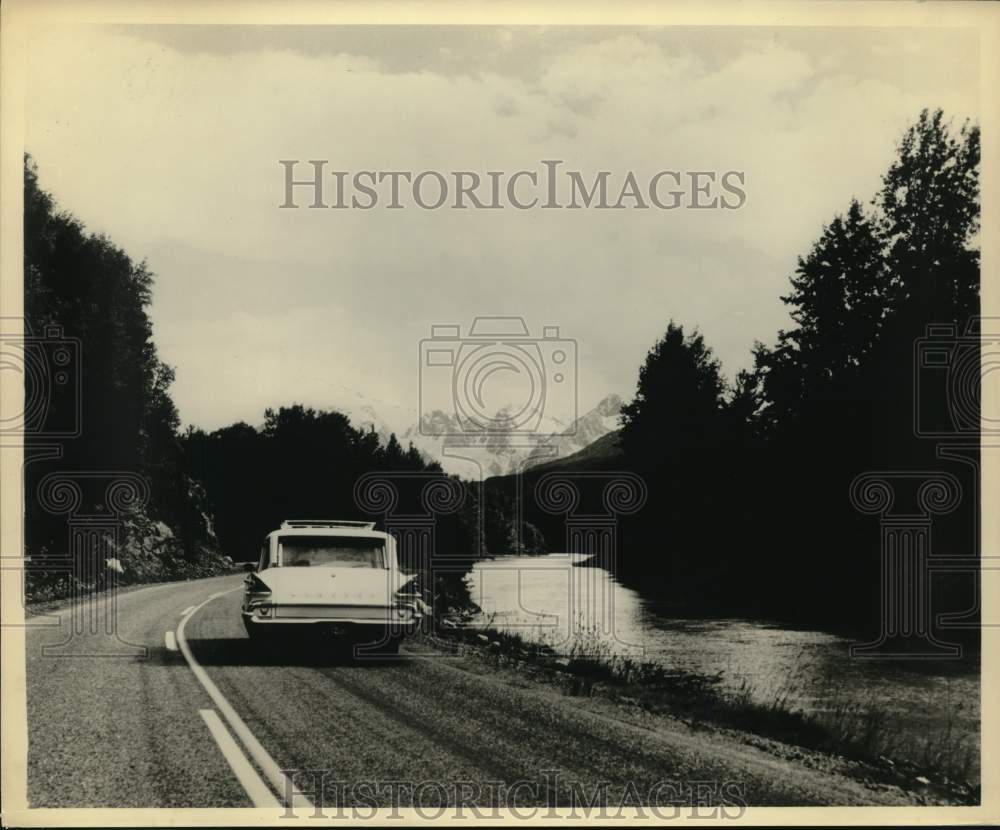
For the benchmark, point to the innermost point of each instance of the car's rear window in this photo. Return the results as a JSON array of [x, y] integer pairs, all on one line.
[[340, 552]]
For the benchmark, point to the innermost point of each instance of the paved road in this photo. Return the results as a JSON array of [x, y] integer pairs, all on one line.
[[195, 717]]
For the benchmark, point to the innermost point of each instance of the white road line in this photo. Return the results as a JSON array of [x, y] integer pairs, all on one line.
[[190, 608], [254, 785], [171, 641], [260, 755]]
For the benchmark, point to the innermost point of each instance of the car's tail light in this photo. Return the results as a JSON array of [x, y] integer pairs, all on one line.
[[257, 591], [256, 585]]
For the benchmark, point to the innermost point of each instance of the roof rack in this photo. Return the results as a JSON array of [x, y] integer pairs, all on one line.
[[289, 524]]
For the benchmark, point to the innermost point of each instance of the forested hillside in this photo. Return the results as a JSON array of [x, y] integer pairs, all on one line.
[[99, 410]]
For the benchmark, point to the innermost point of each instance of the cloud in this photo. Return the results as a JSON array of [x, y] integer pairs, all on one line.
[[169, 141]]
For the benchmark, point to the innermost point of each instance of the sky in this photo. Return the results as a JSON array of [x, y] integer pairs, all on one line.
[[168, 139]]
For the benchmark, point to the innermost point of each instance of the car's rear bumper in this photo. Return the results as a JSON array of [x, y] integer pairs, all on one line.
[[347, 625]]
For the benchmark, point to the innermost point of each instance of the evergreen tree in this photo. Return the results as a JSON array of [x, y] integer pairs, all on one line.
[[839, 297], [930, 206], [678, 400]]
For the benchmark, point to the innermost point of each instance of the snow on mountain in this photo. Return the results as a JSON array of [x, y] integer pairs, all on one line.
[[439, 436], [586, 429]]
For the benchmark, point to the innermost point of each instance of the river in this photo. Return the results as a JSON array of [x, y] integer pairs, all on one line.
[[930, 708]]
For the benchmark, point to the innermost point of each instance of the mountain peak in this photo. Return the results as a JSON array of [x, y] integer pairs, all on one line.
[[609, 405], [501, 452]]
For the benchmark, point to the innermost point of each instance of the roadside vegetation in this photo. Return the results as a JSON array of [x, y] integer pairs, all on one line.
[[941, 764]]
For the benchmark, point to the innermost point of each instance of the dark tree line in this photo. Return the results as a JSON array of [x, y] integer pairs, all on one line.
[[748, 508], [107, 408], [750, 482], [301, 463], [308, 464]]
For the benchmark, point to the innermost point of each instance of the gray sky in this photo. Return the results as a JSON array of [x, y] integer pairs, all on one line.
[[167, 139]]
